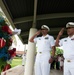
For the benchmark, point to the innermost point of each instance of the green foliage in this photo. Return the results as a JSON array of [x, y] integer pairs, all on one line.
[[2, 63], [58, 51]]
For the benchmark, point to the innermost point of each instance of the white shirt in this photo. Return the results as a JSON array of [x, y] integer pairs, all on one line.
[[68, 47], [44, 43]]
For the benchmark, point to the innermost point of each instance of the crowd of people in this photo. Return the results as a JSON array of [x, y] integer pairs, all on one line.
[[58, 62]]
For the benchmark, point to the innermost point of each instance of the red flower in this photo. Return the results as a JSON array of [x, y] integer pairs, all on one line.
[[2, 42], [8, 66], [12, 52], [7, 29]]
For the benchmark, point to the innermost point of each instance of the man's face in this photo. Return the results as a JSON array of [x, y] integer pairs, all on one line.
[[44, 31], [70, 31]]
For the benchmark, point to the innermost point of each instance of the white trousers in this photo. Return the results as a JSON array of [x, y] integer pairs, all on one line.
[[69, 67], [42, 66]]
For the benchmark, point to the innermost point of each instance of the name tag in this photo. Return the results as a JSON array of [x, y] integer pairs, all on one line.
[[46, 38], [65, 40], [39, 38]]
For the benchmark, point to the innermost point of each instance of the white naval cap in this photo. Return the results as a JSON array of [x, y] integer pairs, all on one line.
[[45, 27], [70, 24]]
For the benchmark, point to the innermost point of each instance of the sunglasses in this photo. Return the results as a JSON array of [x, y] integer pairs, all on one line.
[[43, 29], [69, 27]]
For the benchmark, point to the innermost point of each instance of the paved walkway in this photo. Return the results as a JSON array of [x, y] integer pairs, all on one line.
[[56, 72], [19, 70]]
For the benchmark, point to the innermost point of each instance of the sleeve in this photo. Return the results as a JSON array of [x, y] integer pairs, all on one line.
[[52, 41], [35, 40]]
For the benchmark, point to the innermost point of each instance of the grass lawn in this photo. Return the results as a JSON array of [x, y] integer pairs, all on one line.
[[16, 61]]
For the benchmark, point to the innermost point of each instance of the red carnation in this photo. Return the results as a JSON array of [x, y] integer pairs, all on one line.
[[8, 66], [2, 42], [12, 52], [7, 29]]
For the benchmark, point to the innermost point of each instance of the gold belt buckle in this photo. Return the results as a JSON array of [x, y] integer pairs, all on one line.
[[68, 61], [40, 52]]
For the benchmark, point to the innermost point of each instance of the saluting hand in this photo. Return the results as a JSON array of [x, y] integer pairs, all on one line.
[[61, 32], [38, 32]]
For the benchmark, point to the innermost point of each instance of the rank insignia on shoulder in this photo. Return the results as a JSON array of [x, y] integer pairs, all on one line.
[[46, 38], [65, 40]]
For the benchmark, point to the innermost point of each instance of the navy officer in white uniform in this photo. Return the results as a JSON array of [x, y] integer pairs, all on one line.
[[68, 48], [45, 44]]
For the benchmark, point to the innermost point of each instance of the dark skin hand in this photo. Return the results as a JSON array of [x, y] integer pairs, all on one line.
[[51, 60], [53, 54], [61, 31], [58, 37]]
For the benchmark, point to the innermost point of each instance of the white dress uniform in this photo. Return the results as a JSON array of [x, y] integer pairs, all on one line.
[[68, 49], [44, 45]]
